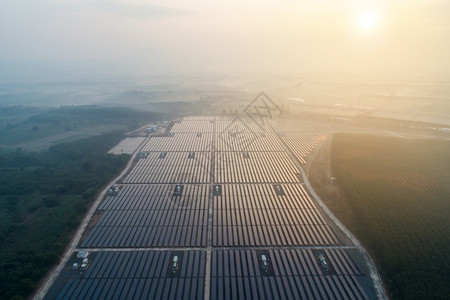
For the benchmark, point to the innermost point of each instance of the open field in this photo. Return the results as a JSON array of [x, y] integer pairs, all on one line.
[[395, 192], [37, 129]]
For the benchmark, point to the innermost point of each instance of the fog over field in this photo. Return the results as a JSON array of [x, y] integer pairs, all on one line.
[[325, 93], [384, 58]]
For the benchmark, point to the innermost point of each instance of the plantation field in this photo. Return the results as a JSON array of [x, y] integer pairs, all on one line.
[[398, 194]]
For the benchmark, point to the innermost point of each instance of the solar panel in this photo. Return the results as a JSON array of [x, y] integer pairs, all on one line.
[[228, 188]]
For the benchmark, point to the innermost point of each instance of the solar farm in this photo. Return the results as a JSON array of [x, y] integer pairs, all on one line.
[[127, 146], [217, 208]]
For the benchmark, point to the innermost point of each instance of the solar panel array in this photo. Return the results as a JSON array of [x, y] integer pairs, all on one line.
[[152, 216], [301, 144], [139, 275], [257, 167], [223, 196], [171, 167], [193, 126], [247, 141], [254, 215], [127, 146], [180, 142], [240, 125], [296, 274]]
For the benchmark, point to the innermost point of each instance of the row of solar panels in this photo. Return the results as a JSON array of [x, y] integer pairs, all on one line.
[[149, 218], [169, 175], [288, 287], [239, 124], [301, 144], [251, 196], [138, 237], [268, 167], [180, 213], [200, 175], [146, 264], [231, 167], [235, 274], [154, 202], [193, 126], [246, 142], [218, 124], [179, 142], [127, 146], [196, 197], [270, 235], [228, 196], [284, 262], [147, 190], [172, 158], [144, 288], [171, 221], [195, 236], [288, 274], [265, 216]]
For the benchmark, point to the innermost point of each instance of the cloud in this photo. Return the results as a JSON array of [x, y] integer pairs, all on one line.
[[138, 10]]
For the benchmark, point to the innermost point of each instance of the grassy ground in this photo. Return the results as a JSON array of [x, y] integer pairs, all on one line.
[[398, 193], [37, 129]]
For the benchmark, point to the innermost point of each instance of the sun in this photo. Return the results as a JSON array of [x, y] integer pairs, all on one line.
[[367, 20]]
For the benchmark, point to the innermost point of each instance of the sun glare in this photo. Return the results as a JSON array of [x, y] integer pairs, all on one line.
[[367, 20]]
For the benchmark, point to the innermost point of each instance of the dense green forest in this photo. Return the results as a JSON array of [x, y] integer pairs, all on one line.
[[398, 191], [43, 198]]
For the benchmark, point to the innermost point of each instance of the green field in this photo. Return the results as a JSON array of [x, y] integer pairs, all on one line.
[[34, 128], [398, 191]]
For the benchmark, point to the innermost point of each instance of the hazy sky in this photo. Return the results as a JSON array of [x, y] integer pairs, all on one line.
[[274, 36]]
